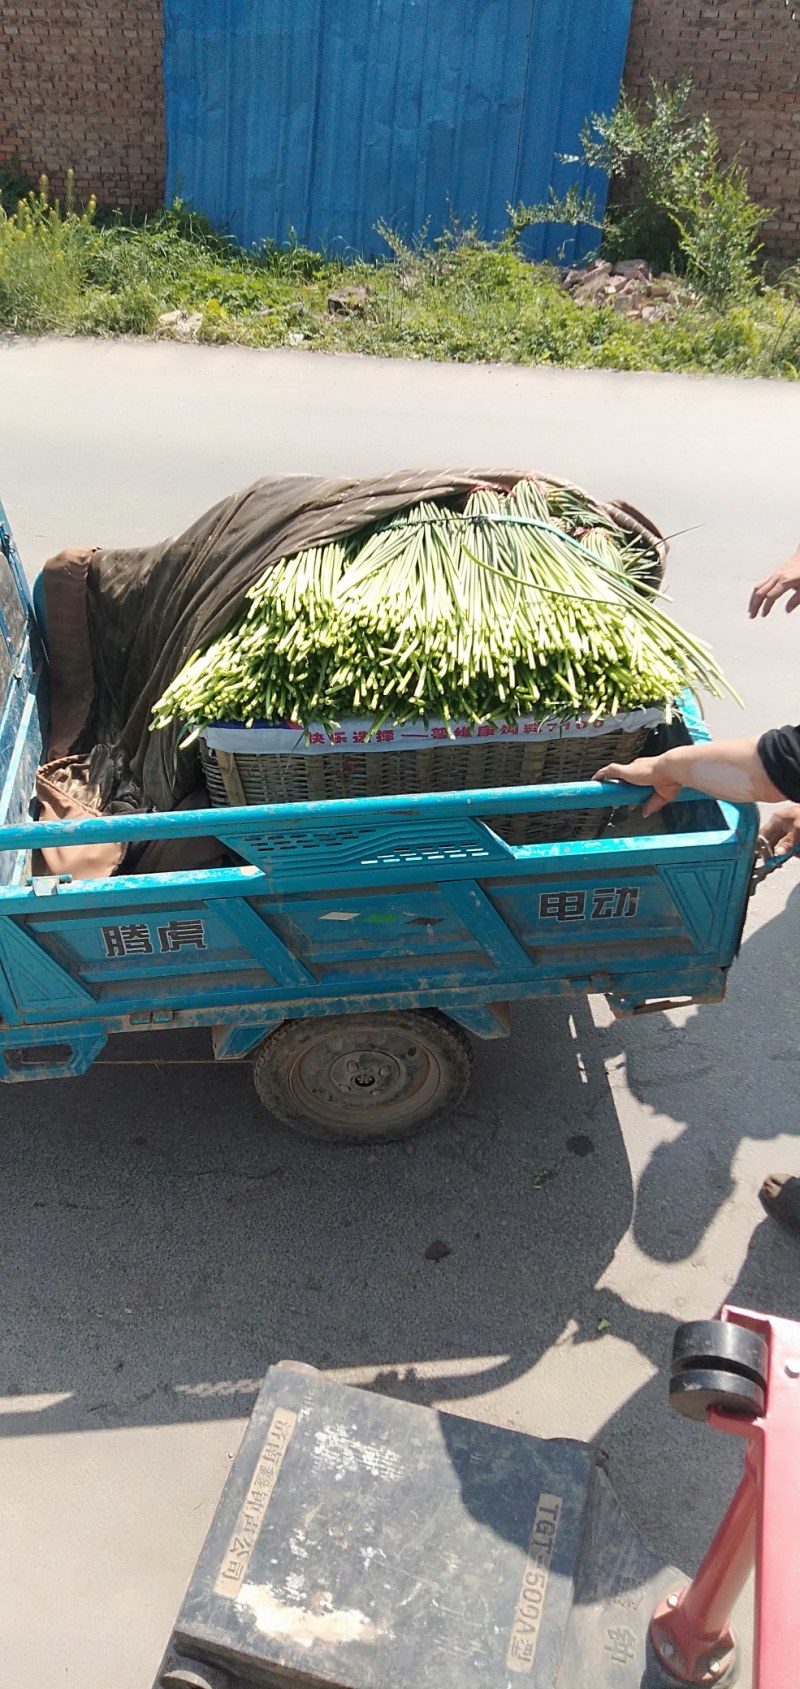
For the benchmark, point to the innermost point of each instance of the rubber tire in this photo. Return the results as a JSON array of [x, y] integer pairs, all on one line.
[[276, 1063]]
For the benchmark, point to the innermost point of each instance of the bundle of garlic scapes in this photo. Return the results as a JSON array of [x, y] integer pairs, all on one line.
[[535, 602]]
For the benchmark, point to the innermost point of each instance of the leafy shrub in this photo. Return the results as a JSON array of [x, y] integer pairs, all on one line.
[[642, 149], [718, 226], [671, 199], [292, 260], [216, 328]]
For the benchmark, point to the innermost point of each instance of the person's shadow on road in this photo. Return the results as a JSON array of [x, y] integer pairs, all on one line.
[[730, 1074], [725, 1076]]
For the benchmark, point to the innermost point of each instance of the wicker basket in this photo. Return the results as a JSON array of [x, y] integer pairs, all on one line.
[[562, 752]]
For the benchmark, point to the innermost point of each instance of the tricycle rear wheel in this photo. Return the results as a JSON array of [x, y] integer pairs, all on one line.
[[363, 1079]]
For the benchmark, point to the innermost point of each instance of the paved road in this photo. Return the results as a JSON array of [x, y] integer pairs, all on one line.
[[161, 1245]]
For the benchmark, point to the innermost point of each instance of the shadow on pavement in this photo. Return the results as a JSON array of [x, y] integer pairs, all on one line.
[[729, 1074], [673, 1477], [163, 1244]]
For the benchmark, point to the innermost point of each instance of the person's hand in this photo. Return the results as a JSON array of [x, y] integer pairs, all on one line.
[[782, 831], [646, 771], [774, 586]]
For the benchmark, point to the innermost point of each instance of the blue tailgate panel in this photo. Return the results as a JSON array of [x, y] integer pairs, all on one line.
[[619, 928]]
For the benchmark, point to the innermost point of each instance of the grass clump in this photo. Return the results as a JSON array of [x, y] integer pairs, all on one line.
[[66, 270], [42, 262]]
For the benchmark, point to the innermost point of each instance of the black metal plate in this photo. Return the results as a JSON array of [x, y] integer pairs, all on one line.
[[362, 1541], [618, 1586]]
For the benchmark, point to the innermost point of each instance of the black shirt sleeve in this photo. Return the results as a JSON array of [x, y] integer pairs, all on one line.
[[779, 751]]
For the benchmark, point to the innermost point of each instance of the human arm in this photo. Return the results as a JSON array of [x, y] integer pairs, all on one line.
[[780, 581], [735, 770]]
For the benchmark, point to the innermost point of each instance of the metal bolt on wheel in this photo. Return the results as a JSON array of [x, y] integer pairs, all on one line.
[[363, 1078]]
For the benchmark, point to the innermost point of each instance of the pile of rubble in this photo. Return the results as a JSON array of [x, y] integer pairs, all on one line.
[[181, 325], [628, 287]]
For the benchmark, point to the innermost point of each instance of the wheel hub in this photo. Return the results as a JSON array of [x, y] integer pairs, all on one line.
[[374, 1071], [366, 1082]]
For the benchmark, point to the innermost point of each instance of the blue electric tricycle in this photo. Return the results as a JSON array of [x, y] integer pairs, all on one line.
[[352, 945]]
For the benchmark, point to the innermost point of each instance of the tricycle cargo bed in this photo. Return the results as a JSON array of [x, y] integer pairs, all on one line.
[[390, 906]]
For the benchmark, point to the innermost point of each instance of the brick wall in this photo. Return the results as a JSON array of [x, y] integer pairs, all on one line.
[[744, 59], [82, 88]]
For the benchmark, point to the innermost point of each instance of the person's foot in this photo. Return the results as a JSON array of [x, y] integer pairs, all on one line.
[[780, 1195]]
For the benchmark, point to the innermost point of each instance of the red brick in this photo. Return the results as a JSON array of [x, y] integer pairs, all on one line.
[[84, 91], [743, 66]]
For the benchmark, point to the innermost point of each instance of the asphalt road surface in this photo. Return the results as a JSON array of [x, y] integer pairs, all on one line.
[[162, 1243]]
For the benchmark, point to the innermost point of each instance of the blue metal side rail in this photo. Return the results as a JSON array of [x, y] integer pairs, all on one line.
[[373, 904]]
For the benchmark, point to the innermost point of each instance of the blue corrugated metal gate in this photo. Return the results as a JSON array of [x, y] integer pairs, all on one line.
[[324, 117]]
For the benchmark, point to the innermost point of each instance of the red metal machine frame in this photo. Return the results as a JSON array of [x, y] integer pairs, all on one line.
[[691, 1631]]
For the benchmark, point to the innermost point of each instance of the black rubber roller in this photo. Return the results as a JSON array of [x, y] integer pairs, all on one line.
[[692, 1393], [720, 1346]]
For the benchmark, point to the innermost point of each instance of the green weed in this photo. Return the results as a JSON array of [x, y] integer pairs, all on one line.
[[458, 298], [43, 251]]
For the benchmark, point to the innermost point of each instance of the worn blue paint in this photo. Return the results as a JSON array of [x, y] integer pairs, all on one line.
[[324, 119], [342, 907], [42, 1059], [259, 941], [449, 941], [494, 935], [232, 1042], [485, 1020]]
